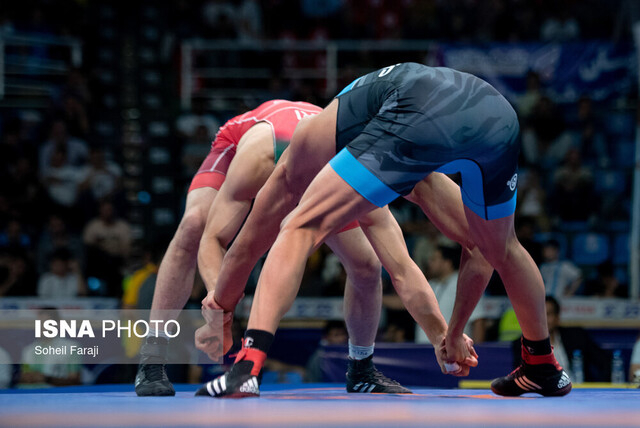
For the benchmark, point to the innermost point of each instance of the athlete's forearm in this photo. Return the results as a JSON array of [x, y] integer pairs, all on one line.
[[474, 274], [408, 280], [210, 256], [417, 296], [225, 218], [271, 206]]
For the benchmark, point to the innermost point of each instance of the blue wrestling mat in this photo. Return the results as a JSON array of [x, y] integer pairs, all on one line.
[[315, 405]]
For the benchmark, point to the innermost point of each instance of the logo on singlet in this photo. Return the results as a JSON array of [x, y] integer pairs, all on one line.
[[513, 182]]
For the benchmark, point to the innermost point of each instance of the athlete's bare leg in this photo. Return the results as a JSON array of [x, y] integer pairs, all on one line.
[[178, 267], [363, 290], [498, 243], [173, 287]]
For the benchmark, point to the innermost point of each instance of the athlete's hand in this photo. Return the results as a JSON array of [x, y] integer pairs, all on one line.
[[209, 308], [209, 340], [457, 350]]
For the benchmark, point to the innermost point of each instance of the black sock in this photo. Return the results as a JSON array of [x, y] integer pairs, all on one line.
[[258, 339], [537, 347]]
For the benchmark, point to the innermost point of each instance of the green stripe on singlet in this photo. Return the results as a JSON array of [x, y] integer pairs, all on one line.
[[278, 149]]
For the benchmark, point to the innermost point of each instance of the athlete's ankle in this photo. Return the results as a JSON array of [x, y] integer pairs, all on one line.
[[537, 347], [536, 353], [255, 345]]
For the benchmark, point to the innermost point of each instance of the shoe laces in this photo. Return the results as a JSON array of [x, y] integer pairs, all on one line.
[[154, 372], [376, 376]]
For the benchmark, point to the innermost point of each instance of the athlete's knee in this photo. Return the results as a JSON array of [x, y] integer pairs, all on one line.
[[190, 229], [497, 253], [365, 272]]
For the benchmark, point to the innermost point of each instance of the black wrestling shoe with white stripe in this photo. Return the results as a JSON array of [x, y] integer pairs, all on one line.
[[548, 380], [236, 383], [364, 377], [151, 378]]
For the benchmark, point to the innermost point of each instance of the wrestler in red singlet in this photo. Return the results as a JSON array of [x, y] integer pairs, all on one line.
[[282, 115]]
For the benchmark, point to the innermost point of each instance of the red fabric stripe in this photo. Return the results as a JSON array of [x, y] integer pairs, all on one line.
[[207, 179]]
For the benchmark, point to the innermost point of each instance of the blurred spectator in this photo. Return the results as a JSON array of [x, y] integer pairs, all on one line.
[[17, 276], [396, 332], [76, 150], [566, 341], [64, 278], [532, 198], [561, 278], [189, 122], [586, 134], [53, 369], [333, 275], [249, 16], [573, 196], [606, 284], [139, 286], [101, 177], [443, 278], [194, 150], [634, 369], [57, 235], [219, 17], [62, 180], [544, 143], [423, 239], [108, 243], [526, 103], [14, 236], [333, 333]]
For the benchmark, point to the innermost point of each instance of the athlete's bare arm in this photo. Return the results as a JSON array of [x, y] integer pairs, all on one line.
[[249, 170], [299, 163], [385, 236], [441, 201], [412, 287]]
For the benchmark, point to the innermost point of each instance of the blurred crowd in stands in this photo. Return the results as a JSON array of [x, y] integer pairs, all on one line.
[[64, 229]]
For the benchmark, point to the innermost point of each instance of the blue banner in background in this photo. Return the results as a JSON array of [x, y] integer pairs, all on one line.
[[603, 70]]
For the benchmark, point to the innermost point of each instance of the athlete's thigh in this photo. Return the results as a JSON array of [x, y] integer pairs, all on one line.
[[491, 236], [441, 201], [312, 145], [327, 206]]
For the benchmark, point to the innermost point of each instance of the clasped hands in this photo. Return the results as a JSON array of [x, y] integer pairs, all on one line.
[[457, 350]]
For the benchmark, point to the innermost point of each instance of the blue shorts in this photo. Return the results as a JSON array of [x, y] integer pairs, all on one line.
[[397, 125]]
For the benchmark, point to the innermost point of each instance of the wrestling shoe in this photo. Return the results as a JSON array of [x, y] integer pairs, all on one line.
[[364, 377], [544, 377], [151, 378], [243, 380]]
